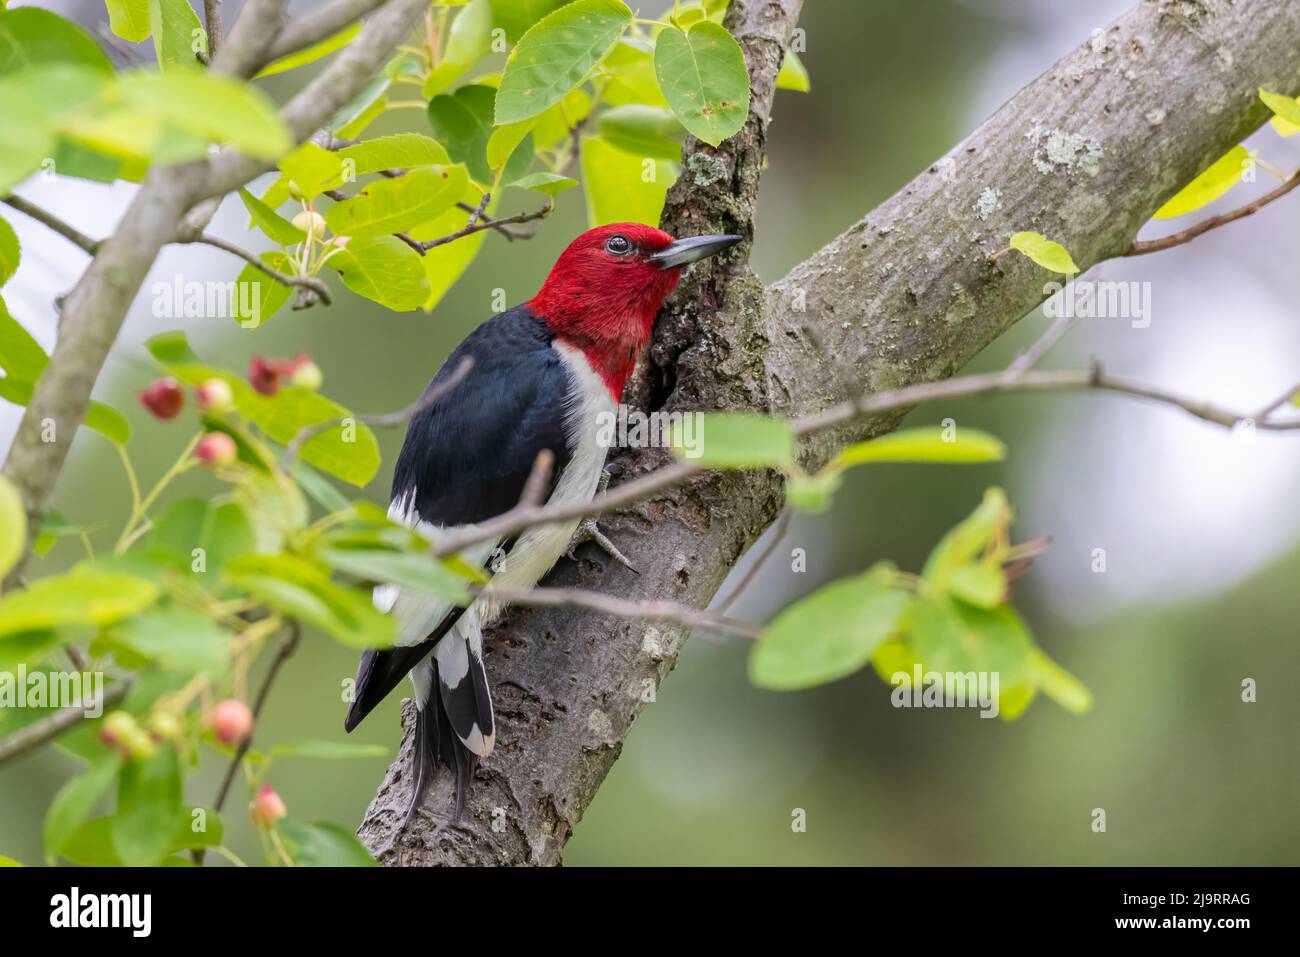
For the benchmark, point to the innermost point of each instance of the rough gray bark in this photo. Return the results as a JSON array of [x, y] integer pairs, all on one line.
[[1084, 155]]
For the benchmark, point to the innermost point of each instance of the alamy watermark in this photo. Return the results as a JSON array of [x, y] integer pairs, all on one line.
[[946, 689], [53, 689], [209, 299], [629, 428], [1099, 299]]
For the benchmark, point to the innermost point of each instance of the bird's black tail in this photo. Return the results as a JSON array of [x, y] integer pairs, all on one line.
[[436, 743]]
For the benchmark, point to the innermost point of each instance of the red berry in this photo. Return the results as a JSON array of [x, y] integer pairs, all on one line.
[[264, 375], [164, 398], [231, 721], [216, 448], [267, 807]]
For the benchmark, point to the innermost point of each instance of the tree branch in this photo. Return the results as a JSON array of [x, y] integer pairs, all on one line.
[[1214, 222], [904, 297]]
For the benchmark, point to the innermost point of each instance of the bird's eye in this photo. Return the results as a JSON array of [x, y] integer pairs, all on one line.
[[618, 246]]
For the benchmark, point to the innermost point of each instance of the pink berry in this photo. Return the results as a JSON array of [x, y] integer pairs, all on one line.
[[216, 448], [267, 807], [231, 721]]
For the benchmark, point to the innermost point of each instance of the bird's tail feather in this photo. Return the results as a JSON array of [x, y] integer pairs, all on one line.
[[436, 743], [466, 699]]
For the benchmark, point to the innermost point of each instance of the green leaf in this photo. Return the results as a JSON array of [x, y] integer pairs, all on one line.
[[30, 36], [737, 440], [398, 151], [463, 122], [1058, 684], [81, 596], [969, 539], [1286, 111], [20, 354], [552, 184], [642, 130], [951, 636], [319, 488], [793, 75], [265, 295], [556, 54], [148, 113], [311, 54], [622, 187], [313, 169], [516, 16], [1048, 254], [302, 589], [560, 121], [177, 639], [149, 809], [703, 77], [173, 23], [396, 205], [362, 110], [322, 844], [410, 570], [925, 445], [25, 135], [129, 19], [91, 845], [384, 269], [631, 75], [983, 585], [10, 252], [830, 634], [504, 140], [328, 750], [75, 800], [1222, 175], [8, 862], [276, 227], [13, 526]]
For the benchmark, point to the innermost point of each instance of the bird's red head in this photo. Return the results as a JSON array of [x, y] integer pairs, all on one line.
[[604, 291]]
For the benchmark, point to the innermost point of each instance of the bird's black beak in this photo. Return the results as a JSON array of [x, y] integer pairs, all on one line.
[[683, 251]]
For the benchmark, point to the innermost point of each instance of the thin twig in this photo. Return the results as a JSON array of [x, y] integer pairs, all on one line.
[[306, 282], [1187, 235], [651, 610], [381, 420], [778, 533], [212, 21], [67, 231]]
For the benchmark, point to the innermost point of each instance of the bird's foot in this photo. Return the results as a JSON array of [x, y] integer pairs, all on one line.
[[589, 531]]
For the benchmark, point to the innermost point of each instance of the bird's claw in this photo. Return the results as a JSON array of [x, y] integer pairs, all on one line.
[[589, 531]]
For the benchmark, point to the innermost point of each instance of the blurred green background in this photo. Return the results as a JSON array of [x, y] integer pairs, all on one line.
[[1199, 525]]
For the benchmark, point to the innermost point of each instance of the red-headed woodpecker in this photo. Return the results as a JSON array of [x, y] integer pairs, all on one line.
[[544, 375]]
